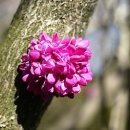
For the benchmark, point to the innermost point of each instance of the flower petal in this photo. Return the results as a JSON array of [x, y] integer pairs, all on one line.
[[71, 49], [87, 76], [34, 54], [38, 47], [83, 44], [37, 71], [32, 71], [63, 89], [83, 81], [75, 58], [33, 42], [61, 63], [55, 37], [51, 78], [66, 40], [58, 84], [71, 81], [73, 41], [25, 77], [76, 89], [50, 88], [25, 57], [45, 37]]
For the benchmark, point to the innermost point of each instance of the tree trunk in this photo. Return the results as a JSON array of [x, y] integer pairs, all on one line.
[[20, 109]]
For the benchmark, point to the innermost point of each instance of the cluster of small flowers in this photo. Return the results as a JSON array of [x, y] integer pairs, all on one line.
[[56, 66]]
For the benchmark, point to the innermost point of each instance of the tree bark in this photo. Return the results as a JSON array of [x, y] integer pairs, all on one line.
[[20, 109]]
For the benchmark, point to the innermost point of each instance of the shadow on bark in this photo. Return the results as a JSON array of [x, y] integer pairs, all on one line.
[[29, 108]]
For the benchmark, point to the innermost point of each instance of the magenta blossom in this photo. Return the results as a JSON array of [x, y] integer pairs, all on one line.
[[54, 66]]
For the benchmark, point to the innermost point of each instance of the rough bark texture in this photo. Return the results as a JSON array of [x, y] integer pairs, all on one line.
[[20, 109]]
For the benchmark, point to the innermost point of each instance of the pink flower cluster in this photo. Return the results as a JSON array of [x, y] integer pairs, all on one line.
[[56, 66]]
